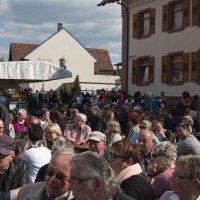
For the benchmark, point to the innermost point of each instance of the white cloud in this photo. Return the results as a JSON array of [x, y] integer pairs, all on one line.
[[33, 21]]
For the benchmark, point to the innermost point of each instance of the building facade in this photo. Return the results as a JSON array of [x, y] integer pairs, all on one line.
[[163, 46]]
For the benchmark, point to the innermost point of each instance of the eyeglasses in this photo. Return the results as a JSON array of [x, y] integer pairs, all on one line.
[[77, 181], [58, 176], [2, 156], [142, 127], [176, 176], [114, 156]]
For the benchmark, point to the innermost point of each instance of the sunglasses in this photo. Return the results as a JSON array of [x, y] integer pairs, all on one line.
[[58, 176]]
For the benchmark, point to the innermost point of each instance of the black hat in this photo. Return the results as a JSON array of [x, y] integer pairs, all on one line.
[[7, 145]]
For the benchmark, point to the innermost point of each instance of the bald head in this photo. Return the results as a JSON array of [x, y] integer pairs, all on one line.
[[146, 140]]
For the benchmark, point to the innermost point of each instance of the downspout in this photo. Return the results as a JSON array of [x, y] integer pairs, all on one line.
[[127, 44], [103, 3]]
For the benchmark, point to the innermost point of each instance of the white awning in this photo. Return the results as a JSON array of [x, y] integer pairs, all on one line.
[[32, 71]]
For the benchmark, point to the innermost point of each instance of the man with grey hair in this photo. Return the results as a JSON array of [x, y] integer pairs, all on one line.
[[56, 184], [91, 178], [78, 132], [59, 145], [185, 179]]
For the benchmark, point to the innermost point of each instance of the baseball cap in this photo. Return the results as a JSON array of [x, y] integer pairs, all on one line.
[[97, 136], [7, 145]]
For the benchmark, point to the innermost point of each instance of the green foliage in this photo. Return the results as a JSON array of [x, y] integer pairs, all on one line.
[[77, 86], [18, 97]]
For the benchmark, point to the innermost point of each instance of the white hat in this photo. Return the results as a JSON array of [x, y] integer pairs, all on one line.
[[97, 136]]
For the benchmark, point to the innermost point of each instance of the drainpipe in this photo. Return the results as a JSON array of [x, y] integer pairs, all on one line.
[[103, 3]]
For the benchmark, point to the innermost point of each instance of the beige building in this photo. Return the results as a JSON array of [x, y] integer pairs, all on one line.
[[92, 65], [160, 46]]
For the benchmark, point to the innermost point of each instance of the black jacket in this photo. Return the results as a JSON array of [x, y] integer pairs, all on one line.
[[138, 188], [16, 176]]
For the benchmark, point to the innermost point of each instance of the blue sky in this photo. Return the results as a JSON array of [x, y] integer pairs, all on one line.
[[33, 21]]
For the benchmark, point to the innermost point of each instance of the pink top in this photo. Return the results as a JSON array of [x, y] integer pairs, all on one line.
[[74, 135], [20, 127], [161, 183]]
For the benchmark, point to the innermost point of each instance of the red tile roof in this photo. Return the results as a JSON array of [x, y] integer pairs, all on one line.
[[19, 50], [103, 59]]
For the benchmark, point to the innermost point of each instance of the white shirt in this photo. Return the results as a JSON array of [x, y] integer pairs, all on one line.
[[36, 158]]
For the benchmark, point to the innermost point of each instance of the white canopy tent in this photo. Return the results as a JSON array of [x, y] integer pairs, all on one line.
[[32, 71]]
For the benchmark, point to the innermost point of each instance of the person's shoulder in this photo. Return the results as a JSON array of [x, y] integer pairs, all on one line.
[[123, 196], [28, 191], [18, 161], [169, 195]]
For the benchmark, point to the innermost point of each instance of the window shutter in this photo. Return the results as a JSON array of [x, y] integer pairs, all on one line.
[[186, 13], [185, 69], [152, 20], [165, 18], [134, 71], [195, 12], [135, 25], [164, 69], [151, 62], [194, 66]]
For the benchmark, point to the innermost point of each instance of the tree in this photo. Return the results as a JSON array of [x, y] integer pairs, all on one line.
[[76, 87]]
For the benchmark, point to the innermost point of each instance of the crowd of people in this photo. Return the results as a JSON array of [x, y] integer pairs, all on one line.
[[100, 146]]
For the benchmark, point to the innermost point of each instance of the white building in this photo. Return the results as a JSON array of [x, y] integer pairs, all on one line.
[[63, 50]]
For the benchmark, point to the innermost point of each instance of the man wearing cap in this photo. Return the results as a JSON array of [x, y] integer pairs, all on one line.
[[97, 142], [13, 170]]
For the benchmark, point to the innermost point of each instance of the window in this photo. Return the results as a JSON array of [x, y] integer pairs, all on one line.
[[195, 12], [143, 71], [144, 23], [195, 66], [175, 68], [176, 15]]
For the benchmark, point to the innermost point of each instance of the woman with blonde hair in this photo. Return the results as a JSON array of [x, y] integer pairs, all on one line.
[[113, 132], [53, 133]]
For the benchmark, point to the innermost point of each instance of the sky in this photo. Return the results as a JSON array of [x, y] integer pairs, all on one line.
[[33, 21]]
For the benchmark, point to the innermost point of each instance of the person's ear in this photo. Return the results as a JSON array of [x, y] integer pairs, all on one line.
[[98, 184], [129, 162], [196, 183], [13, 155]]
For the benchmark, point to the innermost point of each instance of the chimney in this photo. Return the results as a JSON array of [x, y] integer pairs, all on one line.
[[60, 26]]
